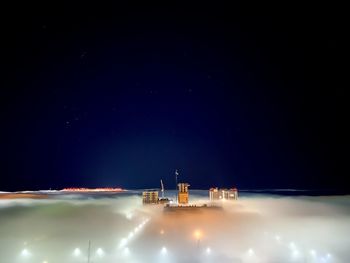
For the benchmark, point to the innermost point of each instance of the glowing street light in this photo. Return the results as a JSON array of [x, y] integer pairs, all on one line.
[[292, 245], [163, 251], [295, 253], [198, 235], [313, 252], [208, 250], [100, 252], [129, 215], [25, 253], [250, 252], [77, 252], [126, 251], [123, 242]]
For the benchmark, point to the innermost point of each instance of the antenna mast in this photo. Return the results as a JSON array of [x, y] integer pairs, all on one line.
[[162, 187], [176, 174]]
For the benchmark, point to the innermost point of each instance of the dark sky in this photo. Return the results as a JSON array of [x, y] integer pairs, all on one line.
[[246, 96]]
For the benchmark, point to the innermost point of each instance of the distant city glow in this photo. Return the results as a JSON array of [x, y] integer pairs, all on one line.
[[81, 189]]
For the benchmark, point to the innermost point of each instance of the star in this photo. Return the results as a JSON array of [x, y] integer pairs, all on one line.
[[83, 54]]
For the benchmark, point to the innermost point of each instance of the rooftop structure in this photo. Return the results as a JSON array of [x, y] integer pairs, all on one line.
[[150, 197], [223, 194], [183, 193]]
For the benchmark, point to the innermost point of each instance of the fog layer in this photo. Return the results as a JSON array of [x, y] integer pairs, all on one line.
[[255, 228]]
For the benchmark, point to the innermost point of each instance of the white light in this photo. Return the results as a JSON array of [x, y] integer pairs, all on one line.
[[329, 255], [129, 216], [292, 245], [76, 252], [164, 250], [277, 237], [295, 253], [25, 253], [208, 250], [131, 234], [313, 252], [123, 242], [250, 252], [126, 251], [45, 261], [100, 252]]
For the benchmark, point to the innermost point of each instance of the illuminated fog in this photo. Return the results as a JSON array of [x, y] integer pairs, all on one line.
[[256, 228]]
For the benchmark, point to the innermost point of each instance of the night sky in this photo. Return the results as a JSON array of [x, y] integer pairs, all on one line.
[[246, 96]]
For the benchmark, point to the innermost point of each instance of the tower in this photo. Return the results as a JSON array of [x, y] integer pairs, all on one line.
[[183, 193]]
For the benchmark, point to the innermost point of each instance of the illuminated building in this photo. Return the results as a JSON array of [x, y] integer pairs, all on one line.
[[214, 194], [183, 193], [150, 197], [224, 194], [230, 194]]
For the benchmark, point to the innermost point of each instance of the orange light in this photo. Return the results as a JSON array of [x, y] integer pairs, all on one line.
[[198, 234]]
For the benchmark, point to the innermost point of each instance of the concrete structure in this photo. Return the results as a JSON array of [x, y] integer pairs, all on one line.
[[223, 194], [183, 193], [150, 197]]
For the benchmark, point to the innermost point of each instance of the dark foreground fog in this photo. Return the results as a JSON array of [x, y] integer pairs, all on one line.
[[256, 228]]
